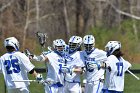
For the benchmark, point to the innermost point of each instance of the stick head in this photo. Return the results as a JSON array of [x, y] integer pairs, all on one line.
[[28, 53], [42, 38]]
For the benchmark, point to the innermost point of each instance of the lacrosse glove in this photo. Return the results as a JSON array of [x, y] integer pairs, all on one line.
[[93, 65], [39, 79], [49, 81], [66, 69]]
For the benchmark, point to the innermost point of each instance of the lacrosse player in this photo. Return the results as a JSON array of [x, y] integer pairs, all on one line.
[[54, 60], [93, 57], [114, 82], [73, 66], [14, 66]]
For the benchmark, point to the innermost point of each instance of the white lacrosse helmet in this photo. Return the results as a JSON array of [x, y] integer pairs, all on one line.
[[59, 45], [74, 43], [89, 43], [111, 46], [11, 41]]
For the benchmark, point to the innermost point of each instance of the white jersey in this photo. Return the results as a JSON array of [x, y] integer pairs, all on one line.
[[97, 56], [15, 66], [74, 60], [115, 78], [54, 65]]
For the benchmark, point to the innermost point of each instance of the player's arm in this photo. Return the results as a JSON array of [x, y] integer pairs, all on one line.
[[105, 65], [33, 72], [67, 69], [29, 67], [38, 76], [78, 70], [40, 58]]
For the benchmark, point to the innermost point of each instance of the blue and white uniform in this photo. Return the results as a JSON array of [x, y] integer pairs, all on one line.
[[72, 80], [15, 66], [53, 66], [95, 76], [114, 81]]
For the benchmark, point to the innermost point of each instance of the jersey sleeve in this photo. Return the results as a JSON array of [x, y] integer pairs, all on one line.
[[26, 62], [82, 59], [127, 65], [110, 62], [101, 56]]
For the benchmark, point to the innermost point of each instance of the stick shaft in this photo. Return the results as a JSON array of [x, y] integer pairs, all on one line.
[[133, 75], [24, 80]]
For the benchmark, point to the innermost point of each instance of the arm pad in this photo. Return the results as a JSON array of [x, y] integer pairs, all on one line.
[[39, 58], [32, 71]]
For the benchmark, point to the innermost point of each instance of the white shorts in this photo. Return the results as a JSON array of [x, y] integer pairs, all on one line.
[[94, 87], [53, 89], [19, 90], [72, 87]]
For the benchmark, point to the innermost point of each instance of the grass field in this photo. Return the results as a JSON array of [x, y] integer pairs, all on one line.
[[131, 84]]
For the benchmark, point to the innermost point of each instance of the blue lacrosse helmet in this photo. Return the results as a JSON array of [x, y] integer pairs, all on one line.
[[59, 46], [74, 43], [89, 43], [111, 46]]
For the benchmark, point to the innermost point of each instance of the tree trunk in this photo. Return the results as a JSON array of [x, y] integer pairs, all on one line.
[[133, 20], [67, 34]]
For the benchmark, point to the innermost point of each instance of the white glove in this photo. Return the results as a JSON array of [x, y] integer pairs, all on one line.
[[39, 79], [93, 65], [66, 69], [84, 81], [49, 81]]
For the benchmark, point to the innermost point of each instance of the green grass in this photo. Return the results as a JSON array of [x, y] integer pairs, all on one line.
[[35, 87], [131, 84], [135, 66]]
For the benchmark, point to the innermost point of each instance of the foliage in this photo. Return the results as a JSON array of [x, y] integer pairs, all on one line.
[[124, 34]]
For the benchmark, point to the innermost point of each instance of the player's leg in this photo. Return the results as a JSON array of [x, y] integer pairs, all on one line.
[[19, 90], [61, 90], [88, 87], [51, 89], [24, 90], [97, 87], [75, 88], [66, 86], [47, 89], [12, 90]]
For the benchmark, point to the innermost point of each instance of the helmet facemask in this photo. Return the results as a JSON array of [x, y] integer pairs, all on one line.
[[59, 46], [88, 47], [60, 49], [89, 43], [74, 44]]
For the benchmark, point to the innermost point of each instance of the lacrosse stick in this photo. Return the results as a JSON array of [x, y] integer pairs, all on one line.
[[133, 75], [42, 39], [24, 81], [49, 48], [28, 53]]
